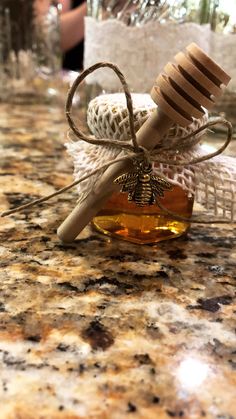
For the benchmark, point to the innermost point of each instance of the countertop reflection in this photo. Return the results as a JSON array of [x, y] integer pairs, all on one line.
[[102, 328]]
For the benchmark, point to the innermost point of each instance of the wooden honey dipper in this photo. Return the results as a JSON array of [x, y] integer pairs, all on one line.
[[194, 81]]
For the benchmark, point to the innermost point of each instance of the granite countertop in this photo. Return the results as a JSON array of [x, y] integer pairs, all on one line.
[[102, 328]]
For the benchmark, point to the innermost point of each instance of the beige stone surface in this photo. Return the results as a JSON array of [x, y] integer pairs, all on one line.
[[103, 328]]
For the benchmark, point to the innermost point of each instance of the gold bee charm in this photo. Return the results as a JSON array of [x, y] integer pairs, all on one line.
[[142, 186]]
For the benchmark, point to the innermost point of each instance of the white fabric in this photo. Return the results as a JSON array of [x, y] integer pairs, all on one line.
[[140, 52], [107, 115], [216, 186]]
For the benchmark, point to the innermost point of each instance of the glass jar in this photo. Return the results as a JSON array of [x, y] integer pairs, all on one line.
[[223, 50], [107, 117], [30, 53], [123, 219], [220, 16]]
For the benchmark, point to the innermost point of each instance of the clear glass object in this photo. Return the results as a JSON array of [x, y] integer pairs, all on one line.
[[30, 54], [122, 219], [220, 15]]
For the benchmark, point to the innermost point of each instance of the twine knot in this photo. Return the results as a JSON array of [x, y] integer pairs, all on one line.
[[143, 155]]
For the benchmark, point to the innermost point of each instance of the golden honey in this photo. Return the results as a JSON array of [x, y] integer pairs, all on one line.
[[125, 220]]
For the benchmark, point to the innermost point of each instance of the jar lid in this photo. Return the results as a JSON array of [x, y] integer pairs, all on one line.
[[107, 116]]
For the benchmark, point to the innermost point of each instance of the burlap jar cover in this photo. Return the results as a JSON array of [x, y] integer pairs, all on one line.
[[213, 182], [178, 156]]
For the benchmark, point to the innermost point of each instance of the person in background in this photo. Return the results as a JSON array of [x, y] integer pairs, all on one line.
[[72, 33]]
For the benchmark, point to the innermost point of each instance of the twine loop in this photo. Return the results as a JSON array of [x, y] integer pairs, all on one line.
[[143, 156]]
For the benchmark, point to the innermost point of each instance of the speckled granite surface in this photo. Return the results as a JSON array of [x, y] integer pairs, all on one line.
[[100, 328]]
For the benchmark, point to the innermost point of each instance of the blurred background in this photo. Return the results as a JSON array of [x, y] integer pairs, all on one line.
[[44, 43]]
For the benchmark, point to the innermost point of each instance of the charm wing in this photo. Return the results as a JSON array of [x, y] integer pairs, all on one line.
[[159, 185], [128, 181]]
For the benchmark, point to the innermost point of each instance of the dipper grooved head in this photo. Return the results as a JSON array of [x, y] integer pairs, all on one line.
[[195, 80]]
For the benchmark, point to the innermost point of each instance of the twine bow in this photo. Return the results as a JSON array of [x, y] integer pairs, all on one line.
[[130, 148]]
